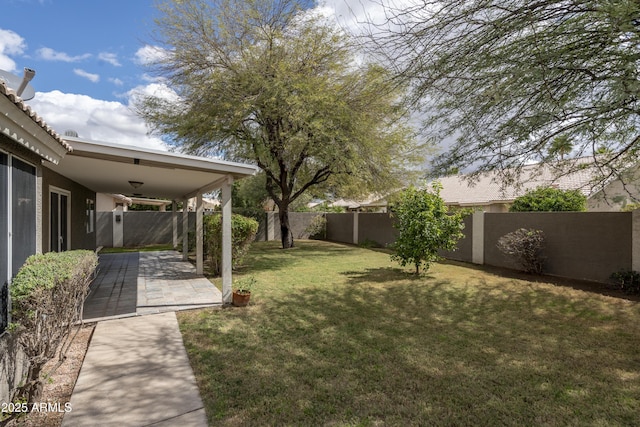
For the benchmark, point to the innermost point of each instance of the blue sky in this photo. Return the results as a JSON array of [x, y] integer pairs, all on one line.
[[89, 56], [81, 46]]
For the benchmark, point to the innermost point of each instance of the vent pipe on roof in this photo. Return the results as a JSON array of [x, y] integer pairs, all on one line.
[[28, 75], [72, 133]]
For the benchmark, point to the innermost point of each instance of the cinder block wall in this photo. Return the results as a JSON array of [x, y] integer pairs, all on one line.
[[377, 228], [464, 252], [104, 229], [148, 228], [340, 227], [580, 245], [141, 228]]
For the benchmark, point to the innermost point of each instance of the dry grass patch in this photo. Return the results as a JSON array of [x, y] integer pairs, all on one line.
[[338, 335]]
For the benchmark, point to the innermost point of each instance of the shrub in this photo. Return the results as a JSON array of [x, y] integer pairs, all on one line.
[[525, 247], [47, 295], [546, 199], [243, 232], [426, 226], [627, 281], [630, 208], [317, 228]]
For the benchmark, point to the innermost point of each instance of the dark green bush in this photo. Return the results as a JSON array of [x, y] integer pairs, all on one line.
[[627, 281], [243, 232], [47, 295], [549, 199]]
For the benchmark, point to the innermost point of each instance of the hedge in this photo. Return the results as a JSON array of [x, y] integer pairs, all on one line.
[[243, 232], [47, 295]]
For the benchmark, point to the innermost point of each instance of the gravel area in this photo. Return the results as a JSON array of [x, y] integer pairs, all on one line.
[[57, 391]]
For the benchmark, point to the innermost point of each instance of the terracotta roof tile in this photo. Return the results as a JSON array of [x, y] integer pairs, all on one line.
[[11, 95]]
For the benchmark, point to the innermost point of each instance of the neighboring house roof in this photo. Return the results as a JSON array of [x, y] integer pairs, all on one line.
[[122, 198], [29, 129], [207, 202], [489, 187]]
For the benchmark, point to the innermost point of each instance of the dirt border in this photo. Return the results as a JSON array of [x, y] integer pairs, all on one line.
[[57, 390]]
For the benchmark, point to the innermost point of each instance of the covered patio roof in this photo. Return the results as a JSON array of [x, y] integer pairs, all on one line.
[[139, 172], [113, 168], [109, 168]]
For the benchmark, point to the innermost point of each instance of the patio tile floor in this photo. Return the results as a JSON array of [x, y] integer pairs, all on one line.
[[137, 283]]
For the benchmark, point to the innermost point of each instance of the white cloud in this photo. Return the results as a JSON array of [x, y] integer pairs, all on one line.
[[95, 78], [153, 79], [94, 119], [154, 89], [110, 58], [358, 17], [49, 54], [115, 81], [10, 44], [148, 55]]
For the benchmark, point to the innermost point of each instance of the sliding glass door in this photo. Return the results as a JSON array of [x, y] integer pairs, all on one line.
[[59, 219], [17, 222]]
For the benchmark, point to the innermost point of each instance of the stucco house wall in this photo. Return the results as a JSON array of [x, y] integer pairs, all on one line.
[[83, 236]]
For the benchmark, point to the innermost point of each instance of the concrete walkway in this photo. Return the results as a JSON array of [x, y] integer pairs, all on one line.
[[136, 371]]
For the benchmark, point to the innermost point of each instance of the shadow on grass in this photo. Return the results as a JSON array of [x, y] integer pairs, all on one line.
[[269, 256], [382, 275], [436, 351], [583, 285]]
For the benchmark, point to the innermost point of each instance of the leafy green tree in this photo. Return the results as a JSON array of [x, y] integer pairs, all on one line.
[[426, 226], [250, 196], [560, 146], [546, 199], [501, 79], [264, 81]]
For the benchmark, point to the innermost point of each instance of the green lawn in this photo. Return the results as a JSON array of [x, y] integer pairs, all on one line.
[[341, 336]]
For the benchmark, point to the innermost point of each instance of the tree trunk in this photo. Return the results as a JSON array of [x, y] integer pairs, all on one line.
[[286, 235]]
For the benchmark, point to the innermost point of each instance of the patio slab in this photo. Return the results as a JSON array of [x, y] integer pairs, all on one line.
[[138, 283]]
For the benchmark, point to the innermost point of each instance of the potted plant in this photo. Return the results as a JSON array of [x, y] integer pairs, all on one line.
[[242, 291]]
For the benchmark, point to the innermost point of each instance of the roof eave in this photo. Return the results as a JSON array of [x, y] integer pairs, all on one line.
[[19, 123]]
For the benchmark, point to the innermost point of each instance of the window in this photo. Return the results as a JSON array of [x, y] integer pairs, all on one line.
[[23, 213], [17, 223], [4, 241]]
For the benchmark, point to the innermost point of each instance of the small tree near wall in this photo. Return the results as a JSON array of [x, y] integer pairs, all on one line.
[[426, 226]]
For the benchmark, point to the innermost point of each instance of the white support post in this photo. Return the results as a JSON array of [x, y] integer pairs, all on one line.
[[185, 229], [174, 222], [477, 238], [226, 241], [199, 234]]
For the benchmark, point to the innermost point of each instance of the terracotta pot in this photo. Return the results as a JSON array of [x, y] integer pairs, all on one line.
[[241, 300]]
